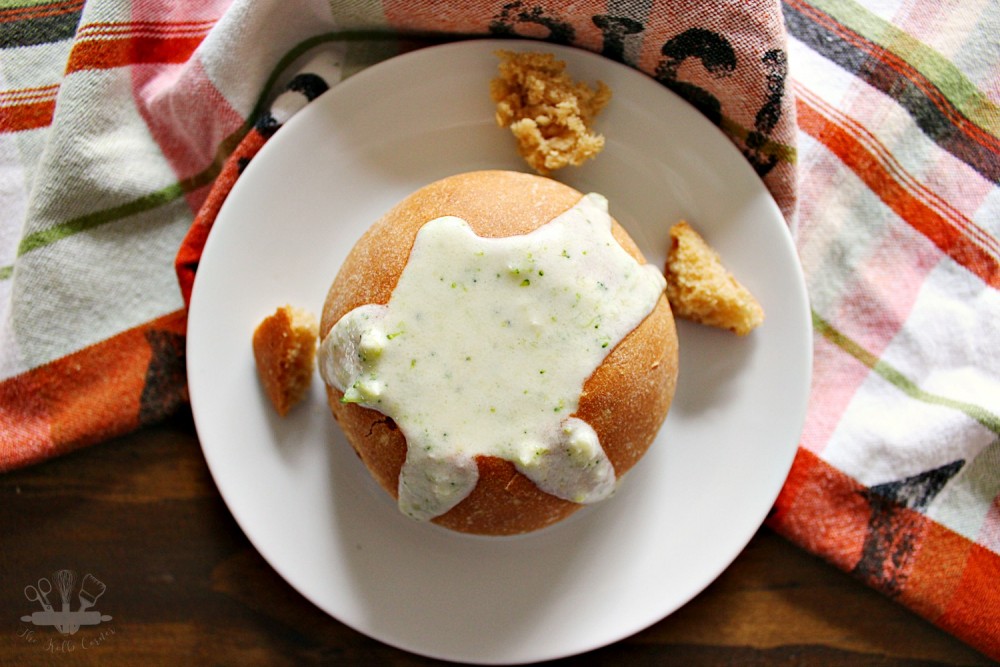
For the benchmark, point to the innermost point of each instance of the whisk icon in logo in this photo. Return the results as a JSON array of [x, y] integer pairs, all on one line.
[[65, 620]]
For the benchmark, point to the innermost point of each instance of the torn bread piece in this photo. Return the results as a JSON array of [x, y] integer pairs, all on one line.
[[548, 112], [284, 348], [700, 288]]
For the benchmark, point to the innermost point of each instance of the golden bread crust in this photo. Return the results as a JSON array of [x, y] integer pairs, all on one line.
[[549, 114], [701, 289], [625, 400], [284, 348]]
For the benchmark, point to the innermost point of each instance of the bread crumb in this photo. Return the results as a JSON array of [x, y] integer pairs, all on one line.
[[701, 289], [549, 114], [284, 348]]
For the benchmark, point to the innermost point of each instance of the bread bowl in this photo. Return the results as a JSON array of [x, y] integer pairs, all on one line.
[[623, 399]]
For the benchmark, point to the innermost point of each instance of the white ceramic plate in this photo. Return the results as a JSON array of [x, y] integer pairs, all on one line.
[[303, 498]]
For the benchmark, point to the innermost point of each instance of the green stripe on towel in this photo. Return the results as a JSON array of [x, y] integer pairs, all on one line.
[[900, 381]]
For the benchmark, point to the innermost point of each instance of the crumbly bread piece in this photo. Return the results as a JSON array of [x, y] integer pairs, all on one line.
[[701, 289], [625, 400], [549, 114], [284, 347]]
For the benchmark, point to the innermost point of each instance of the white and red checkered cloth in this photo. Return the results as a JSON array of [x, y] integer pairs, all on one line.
[[875, 125]]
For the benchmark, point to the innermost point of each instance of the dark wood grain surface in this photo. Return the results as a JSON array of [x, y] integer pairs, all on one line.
[[185, 587]]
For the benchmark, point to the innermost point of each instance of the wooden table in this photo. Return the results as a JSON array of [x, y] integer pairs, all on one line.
[[185, 587]]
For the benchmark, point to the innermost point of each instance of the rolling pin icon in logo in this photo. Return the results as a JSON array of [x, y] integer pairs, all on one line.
[[65, 620]]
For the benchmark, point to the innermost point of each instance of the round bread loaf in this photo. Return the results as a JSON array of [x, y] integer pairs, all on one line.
[[625, 400]]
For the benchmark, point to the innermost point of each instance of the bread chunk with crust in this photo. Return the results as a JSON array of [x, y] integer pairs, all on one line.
[[700, 288], [284, 348], [549, 113]]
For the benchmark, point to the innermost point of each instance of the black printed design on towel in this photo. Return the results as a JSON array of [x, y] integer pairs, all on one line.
[[717, 57], [892, 531], [266, 124], [514, 13], [776, 66], [615, 29], [309, 84], [711, 48], [714, 51], [165, 387]]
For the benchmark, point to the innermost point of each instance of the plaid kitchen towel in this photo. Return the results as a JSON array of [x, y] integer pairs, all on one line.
[[123, 126], [897, 478]]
